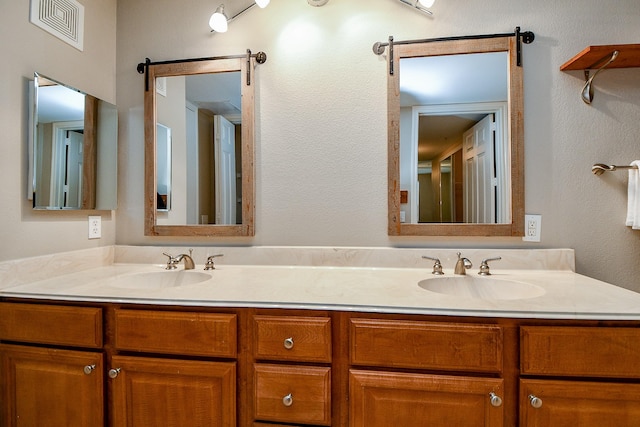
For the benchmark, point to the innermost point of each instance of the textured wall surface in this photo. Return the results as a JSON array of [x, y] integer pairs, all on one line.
[[24, 49], [321, 119]]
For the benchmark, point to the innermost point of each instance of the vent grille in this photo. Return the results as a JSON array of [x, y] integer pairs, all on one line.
[[61, 18]]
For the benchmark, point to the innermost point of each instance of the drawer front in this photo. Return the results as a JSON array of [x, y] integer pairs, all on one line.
[[580, 351], [293, 394], [51, 324], [184, 333], [302, 339], [426, 345]]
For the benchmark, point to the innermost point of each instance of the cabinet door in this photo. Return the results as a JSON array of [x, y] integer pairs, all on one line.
[[577, 403], [172, 393], [382, 399], [49, 387]]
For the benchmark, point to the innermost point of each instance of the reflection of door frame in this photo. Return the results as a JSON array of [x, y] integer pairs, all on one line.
[[59, 160], [502, 150]]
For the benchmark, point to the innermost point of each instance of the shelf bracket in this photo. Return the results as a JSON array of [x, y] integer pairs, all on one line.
[[587, 89]]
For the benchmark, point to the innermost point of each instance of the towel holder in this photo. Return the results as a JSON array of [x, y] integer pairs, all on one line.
[[600, 168]]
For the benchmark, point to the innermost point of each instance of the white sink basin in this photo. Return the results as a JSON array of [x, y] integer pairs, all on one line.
[[160, 279], [488, 288]]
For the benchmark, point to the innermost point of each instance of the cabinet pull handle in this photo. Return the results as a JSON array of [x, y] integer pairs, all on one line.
[[287, 400], [113, 373], [288, 343], [536, 402], [89, 369], [495, 399]]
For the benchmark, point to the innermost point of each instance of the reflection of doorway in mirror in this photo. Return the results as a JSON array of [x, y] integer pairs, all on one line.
[[452, 185], [67, 161]]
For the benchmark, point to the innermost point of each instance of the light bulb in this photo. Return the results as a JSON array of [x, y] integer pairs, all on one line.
[[262, 3], [218, 21], [426, 3]]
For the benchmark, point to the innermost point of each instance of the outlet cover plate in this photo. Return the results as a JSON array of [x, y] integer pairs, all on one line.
[[532, 228], [95, 227]]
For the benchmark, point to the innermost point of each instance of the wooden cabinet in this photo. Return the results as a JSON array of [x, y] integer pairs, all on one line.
[[555, 403], [382, 398], [121, 365], [43, 384], [51, 387], [292, 392], [172, 393], [582, 355]]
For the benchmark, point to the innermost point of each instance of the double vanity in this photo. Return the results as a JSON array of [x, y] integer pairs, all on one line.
[[315, 337]]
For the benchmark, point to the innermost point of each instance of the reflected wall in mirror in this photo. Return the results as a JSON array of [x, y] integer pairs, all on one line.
[[209, 109], [73, 145], [455, 139]]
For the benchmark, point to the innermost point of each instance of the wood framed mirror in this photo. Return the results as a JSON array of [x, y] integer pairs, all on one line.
[[207, 108], [440, 182]]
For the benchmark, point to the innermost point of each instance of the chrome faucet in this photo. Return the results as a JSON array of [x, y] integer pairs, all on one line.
[[461, 265], [172, 262], [188, 261]]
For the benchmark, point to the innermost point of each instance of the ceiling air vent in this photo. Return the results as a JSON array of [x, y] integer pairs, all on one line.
[[62, 18]]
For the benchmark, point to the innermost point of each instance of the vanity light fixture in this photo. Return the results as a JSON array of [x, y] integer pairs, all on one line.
[[219, 21], [421, 5]]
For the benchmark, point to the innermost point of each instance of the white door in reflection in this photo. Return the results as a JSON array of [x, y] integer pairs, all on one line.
[[480, 178], [225, 170]]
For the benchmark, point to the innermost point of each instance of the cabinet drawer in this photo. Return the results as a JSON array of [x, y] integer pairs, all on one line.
[[302, 339], [426, 345], [293, 394], [580, 351], [51, 324], [198, 334]]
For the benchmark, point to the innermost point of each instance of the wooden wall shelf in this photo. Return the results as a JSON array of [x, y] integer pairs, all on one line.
[[599, 58], [593, 56]]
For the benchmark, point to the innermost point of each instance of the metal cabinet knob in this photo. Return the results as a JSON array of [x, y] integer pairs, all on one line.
[[89, 369], [536, 402], [288, 343], [287, 400], [495, 399], [113, 373]]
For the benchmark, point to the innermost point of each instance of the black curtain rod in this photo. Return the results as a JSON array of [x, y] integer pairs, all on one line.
[[142, 67], [521, 36]]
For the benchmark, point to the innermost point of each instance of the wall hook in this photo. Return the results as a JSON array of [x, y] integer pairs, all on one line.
[[587, 89]]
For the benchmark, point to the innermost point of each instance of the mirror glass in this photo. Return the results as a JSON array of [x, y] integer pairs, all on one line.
[[73, 144], [200, 150], [455, 139]]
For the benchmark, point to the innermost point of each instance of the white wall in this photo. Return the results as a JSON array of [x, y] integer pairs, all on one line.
[[321, 154], [25, 48]]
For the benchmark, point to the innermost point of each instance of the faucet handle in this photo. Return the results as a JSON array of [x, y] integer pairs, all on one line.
[[171, 262], [437, 267], [484, 266], [209, 265]]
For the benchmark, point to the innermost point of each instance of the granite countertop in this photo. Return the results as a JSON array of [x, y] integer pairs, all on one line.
[[557, 294]]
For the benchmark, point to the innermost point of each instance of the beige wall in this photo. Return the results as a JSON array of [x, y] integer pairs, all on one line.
[[24, 49], [321, 127]]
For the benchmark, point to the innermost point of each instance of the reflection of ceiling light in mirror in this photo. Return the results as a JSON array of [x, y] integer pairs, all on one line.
[[262, 3], [426, 3], [218, 21], [317, 2]]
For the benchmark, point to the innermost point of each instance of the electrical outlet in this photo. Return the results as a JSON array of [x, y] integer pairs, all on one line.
[[532, 228], [95, 227]]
